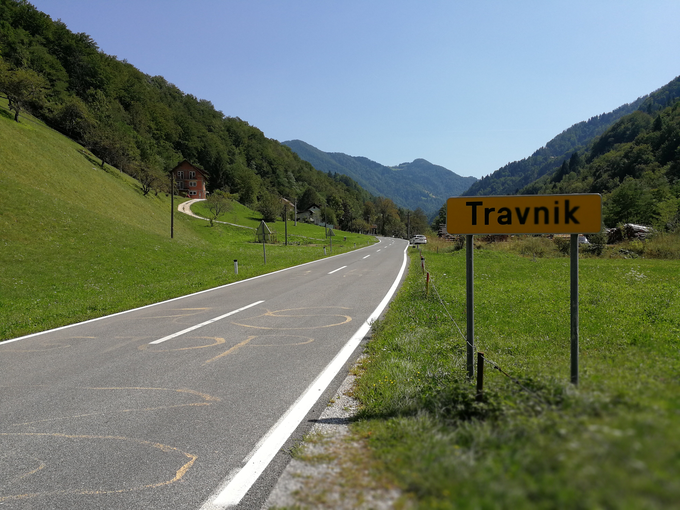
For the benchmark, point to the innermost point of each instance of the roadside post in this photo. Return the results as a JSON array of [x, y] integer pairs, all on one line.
[[525, 214], [235, 266]]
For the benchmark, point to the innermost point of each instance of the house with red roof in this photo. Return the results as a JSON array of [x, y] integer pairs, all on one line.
[[190, 180]]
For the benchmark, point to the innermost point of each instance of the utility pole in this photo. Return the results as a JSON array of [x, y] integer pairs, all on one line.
[[172, 204], [285, 220], [295, 210]]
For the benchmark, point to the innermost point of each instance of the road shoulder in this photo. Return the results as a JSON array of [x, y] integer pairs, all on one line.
[[331, 468]]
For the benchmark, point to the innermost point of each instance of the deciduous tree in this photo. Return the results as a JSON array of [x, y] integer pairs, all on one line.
[[22, 87]]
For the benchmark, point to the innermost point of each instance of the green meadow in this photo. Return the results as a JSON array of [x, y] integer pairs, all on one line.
[[533, 440], [78, 241]]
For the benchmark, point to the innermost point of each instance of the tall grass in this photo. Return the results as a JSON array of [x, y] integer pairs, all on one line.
[[534, 440]]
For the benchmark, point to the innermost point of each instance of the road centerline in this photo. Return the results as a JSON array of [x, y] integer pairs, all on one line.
[[338, 269], [197, 326]]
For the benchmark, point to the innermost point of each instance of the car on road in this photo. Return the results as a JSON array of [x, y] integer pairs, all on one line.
[[419, 239]]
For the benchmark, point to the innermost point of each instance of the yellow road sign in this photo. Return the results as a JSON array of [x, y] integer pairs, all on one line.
[[525, 214]]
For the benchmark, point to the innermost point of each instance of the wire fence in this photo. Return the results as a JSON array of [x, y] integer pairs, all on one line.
[[493, 364]]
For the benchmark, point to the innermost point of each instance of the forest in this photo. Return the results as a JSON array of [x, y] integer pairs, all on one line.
[[635, 165], [144, 125]]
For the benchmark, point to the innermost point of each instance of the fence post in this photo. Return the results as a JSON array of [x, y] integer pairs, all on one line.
[[480, 376], [427, 285]]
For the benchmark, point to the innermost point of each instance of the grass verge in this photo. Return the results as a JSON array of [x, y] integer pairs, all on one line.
[[534, 440]]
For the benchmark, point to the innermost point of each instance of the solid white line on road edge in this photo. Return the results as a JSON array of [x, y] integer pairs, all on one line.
[[366, 257], [161, 340], [271, 443], [338, 269]]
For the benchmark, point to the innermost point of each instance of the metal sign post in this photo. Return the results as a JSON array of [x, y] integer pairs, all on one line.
[[470, 293], [573, 253], [331, 234], [525, 214], [263, 230]]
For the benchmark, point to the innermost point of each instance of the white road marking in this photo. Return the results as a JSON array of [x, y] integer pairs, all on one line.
[[338, 269], [366, 257], [263, 453], [192, 328]]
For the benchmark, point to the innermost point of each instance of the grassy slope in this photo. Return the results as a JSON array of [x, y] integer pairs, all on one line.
[[80, 242], [610, 443]]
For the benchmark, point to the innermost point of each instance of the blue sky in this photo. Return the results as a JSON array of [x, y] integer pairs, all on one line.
[[469, 85]]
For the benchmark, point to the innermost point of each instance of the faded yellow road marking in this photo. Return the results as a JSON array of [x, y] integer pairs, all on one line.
[[208, 399], [229, 351], [164, 448], [280, 314], [217, 341]]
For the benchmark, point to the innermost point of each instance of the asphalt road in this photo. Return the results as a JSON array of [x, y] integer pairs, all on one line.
[[190, 403]]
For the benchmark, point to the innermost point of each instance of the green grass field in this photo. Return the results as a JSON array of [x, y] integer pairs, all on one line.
[[79, 241], [535, 440]]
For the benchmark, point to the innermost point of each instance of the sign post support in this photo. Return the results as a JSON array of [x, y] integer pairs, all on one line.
[[573, 252], [470, 306]]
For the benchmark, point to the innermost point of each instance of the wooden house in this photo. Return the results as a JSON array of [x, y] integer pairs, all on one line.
[[190, 180]]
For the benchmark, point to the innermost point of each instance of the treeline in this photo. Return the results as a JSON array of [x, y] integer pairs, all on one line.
[[635, 165], [144, 125]]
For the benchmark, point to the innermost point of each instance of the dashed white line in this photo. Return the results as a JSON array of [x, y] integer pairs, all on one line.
[[338, 269], [192, 328], [366, 256]]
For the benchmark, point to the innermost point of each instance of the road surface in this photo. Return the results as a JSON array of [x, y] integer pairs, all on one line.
[[189, 403]]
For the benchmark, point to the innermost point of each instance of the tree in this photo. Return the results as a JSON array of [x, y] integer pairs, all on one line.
[[218, 202], [309, 198], [440, 220], [388, 215], [269, 205], [147, 180], [419, 221], [22, 87]]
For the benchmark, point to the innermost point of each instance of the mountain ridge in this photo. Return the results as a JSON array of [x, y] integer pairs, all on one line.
[[418, 184], [522, 174]]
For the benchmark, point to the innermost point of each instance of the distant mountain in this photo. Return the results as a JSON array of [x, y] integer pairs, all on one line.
[[409, 185], [519, 175]]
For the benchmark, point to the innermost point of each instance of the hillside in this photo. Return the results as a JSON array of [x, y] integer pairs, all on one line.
[[419, 184], [144, 125], [80, 241], [514, 176]]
